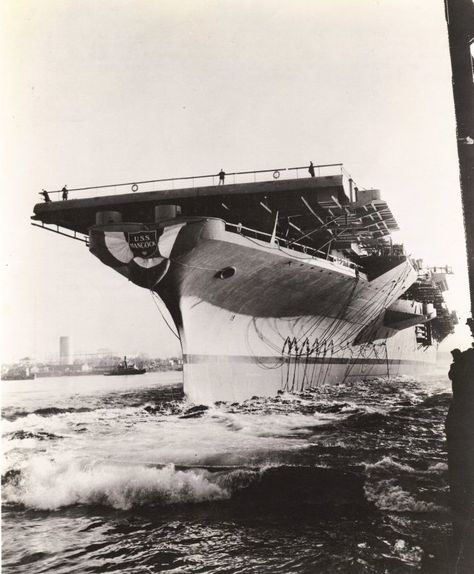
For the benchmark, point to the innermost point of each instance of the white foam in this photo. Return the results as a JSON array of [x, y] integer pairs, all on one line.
[[409, 554], [135, 436], [48, 485], [387, 463], [438, 467], [387, 495]]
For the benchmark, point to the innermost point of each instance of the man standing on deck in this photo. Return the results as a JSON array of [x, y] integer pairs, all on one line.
[[65, 193], [45, 195], [460, 442], [221, 175], [311, 169]]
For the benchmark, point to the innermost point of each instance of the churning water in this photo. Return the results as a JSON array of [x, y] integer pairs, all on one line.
[[121, 474]]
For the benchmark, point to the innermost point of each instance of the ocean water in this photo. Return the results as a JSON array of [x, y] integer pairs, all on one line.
[[122, 474]]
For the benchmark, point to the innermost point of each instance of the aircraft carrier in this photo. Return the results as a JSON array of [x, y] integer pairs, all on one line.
[[278, 279]]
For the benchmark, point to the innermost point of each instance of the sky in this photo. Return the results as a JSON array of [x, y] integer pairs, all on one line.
[[126, 90]]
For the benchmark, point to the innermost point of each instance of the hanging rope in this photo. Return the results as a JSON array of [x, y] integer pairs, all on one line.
[[155, 297]]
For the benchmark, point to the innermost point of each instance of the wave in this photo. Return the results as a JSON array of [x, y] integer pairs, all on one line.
[[49, 485], [388, 495], [309, 402], [38, 435], [45, 484], [368, 420], [388, 464], [166, 407], [43, 412], [438, 467]]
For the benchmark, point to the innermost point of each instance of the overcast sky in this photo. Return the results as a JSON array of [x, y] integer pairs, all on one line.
[[124, 90]]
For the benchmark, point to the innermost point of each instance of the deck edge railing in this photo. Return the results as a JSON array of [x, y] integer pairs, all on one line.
[[281, 242], [213, 179]]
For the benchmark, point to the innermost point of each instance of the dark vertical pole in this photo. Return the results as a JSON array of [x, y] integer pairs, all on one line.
[[460, 20], [460, 419]]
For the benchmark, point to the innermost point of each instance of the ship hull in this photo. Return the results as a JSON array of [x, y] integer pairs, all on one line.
[[234, 379], [236, 357], [255, 319]]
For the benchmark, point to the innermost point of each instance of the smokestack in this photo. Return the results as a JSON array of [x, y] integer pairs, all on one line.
[[65, 354]]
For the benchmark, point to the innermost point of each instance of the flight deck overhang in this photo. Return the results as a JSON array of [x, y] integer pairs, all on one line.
[[317, 212], [260, 198]]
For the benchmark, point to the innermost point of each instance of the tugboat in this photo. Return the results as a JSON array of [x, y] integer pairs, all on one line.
[[124, 369]]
